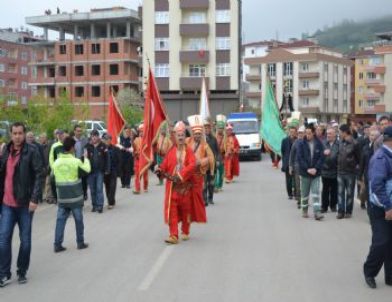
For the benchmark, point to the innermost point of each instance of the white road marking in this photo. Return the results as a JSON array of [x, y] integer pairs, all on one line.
[[153, 273]]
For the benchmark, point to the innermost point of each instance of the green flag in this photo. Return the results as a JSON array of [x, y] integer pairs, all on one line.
[[271, 128]]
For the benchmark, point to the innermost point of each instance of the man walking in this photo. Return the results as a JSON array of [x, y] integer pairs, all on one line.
[[209, 179], [220, 164], [287, 143], [70, 197], [380, 213], [137, 150], [310, 160], [294, 166], [329, 172], [21, 176], [98, 155], [126, 141], [232, 150], [162, 146], [348, 164], [110, 179]]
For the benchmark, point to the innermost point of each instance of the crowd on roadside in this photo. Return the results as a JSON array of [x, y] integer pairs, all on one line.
[[328, 165]]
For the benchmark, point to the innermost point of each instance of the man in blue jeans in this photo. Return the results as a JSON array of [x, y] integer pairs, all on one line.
[[21, 178], [70, 193], [98, 155]]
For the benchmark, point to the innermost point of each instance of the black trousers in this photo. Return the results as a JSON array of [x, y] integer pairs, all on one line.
[[381, 247], [126, 171], [329, 195], [209, 186], [110, 182], [85, 186], [289, 184]]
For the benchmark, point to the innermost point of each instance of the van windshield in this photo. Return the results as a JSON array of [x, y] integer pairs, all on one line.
[[245, 127]]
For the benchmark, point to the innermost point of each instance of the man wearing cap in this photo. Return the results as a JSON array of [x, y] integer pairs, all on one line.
[[137, 150], [232, 150], [178, 168], [220, 164], [98, 155], [205, 160], [380, 213], [110, 179]]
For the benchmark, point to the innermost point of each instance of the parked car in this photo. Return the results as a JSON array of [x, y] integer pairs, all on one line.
[[91, 125], [4, 129]]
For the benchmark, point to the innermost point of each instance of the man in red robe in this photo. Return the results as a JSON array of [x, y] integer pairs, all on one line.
[[137, 150], [232, 151], [178, 168]]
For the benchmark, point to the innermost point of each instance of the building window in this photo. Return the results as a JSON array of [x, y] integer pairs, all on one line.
[[305, 102], [197, 44], [326, 105], [371, 76], [223, 70], [23, 100], [63, 49], [24, 70], [62, 91], [24, 85], [162, 17], [2, 67], [34, 72], [162, 44], [196, 18], [79, 49], [361, 76], [288, 69], [197, 70], [335, 104], [223, 43], [335, 73], [95, 70], [113, 69], [272, 70], [96, 91], [51, 72], [360, 103], [288, 86], [3, 52], [305, 84], [34, 90], [162, 70], [223, 16], [62, 71], [371, 103], [79, 70], [345, 106], [114, 47], [374, 61], [114, 88], [24, 56], [95, 48], [79, 91], [2, 83], [305, 67]]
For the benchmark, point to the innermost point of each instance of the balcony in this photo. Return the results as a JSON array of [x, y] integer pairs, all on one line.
[[309, 75], [253, 77], [380, 69], [309, 92], [192, 83], [194, 56], [309, 110], [375, 109], [194, 4], [372, 96], [372, 81], [195, 30], [378, 88], [253, 94]]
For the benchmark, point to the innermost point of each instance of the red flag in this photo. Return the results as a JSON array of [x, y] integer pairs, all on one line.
[[154, 118], [116, 121]]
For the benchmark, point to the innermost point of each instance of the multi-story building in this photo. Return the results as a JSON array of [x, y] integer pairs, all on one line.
[[373, 78], [307, 78], [251, 76], [188, 40], [101, 56], [15, 56]]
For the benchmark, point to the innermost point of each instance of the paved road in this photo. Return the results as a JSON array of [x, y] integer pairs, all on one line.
[[256, 247]]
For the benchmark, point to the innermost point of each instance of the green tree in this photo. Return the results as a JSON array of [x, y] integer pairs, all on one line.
[[130, 106]]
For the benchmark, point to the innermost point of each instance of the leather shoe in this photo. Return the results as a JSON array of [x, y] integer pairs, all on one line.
[[59, 249], [172, 240], [340, 216], [82, 246], [388, 282], [371, 282]]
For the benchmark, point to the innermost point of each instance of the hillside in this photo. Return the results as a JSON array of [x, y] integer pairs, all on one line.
[[349, 35]]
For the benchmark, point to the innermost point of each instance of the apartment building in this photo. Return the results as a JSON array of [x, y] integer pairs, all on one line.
[[15, 56], [306, 77], [187, 40], [96, 52], [373, 78]]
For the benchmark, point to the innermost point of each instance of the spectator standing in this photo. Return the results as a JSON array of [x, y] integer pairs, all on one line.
[[383, 123], [47, 193], [80, 144], [294, 166], [21, 171], [348, 166], [126, 141], [98, 155], [287, 143]]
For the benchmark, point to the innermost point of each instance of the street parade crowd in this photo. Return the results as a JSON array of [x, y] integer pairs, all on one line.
[[195, 157], [327, 165]]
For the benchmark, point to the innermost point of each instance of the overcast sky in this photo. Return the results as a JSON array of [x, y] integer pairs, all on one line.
[[262, 19]]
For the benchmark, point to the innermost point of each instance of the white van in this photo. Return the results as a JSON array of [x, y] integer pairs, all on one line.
[[89, 126], [247, 131]]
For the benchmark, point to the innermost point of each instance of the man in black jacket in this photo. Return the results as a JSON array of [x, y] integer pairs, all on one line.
[[287, 143], [21, 176], [100, 165], [310, 159], [329, 172], [348, 164], [110, 179], [209, 178]]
